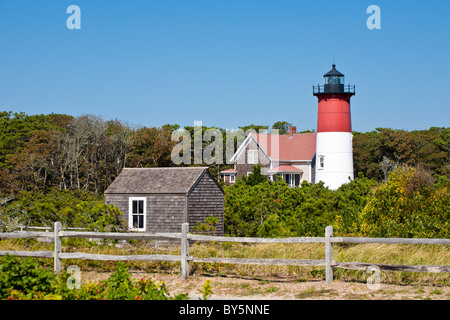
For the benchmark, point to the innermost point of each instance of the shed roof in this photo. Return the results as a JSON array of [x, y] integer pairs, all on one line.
[[156, 180]]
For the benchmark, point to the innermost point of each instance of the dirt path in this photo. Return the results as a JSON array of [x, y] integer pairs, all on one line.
[[231, 287]]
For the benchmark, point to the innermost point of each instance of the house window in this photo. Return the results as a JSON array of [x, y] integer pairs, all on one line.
[[292, 179], [287, 178], [252, 156], [137, 214], [296, 180], [232, 179]]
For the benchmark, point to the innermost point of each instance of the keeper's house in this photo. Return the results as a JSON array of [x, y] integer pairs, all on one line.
[[161, 199]]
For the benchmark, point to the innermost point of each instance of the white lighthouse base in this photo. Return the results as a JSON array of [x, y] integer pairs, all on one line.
[[334, 158]]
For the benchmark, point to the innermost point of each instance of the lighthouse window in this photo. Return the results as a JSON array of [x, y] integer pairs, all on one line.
[[321, 162], [334, 80]]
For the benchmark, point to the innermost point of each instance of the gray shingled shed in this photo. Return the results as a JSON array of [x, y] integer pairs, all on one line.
[[161, 199]]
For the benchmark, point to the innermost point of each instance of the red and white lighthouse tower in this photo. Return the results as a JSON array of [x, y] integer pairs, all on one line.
[[334, 152]]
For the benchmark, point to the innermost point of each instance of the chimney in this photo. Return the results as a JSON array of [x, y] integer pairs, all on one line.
[[292, 131]]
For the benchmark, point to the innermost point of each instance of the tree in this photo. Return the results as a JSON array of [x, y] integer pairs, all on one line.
[[387, 165], [255, 127], [16, 129], [282, 127], [151, 147], [429, 149], [34, 166]]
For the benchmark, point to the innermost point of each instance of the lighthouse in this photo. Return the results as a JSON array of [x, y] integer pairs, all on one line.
[[334, 154]]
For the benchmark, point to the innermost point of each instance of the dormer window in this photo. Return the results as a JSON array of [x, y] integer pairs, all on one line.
[[252, 156]]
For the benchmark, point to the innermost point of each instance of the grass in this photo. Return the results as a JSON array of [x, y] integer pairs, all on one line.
[[370, 253]]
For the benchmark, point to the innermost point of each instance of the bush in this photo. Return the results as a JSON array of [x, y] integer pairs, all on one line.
[[273, 209], [25, 279], [72, 208], [24, 276], [408, 205]]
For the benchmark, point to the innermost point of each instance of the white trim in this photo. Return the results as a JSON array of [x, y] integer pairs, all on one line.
[[240, 149], [130, 213], [244, 145], [261, 148]]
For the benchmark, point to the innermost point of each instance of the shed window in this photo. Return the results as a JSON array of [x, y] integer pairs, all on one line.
[[137, 210]]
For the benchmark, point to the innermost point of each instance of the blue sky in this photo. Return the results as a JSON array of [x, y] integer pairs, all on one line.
[[226, 63]]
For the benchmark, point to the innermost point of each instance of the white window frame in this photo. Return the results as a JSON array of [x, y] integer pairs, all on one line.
[[130, 213], [252, 156], [232, 178]]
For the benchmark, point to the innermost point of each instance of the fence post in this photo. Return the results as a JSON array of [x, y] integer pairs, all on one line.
[[57, 243], [328, 254], [184, 251]]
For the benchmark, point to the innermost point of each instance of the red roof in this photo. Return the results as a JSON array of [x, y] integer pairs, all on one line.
[[286, 169], [297, 147]]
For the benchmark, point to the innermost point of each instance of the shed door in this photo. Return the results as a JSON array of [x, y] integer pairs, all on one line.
[[137, 214]]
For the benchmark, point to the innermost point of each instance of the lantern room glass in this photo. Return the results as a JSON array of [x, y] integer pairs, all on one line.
[[333, 80]]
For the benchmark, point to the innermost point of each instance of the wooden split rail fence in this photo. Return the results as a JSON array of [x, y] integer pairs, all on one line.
[[184, 258]]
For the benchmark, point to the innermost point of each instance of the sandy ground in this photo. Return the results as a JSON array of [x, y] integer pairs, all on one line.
[[232, 287]]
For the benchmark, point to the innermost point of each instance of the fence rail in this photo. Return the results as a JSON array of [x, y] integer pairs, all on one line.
[[184, 258]]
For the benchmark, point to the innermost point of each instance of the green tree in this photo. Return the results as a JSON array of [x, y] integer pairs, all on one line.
[[151, 147], [282, 126]]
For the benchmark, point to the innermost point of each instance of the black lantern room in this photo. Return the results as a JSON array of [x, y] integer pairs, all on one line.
[[333, 82]]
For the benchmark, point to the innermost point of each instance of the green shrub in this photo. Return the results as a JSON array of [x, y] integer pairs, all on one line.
[[25, 276], [72, 208], [408, 205], [25, 279]]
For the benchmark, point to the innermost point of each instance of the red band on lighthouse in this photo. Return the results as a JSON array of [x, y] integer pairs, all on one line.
[[334, 114]]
